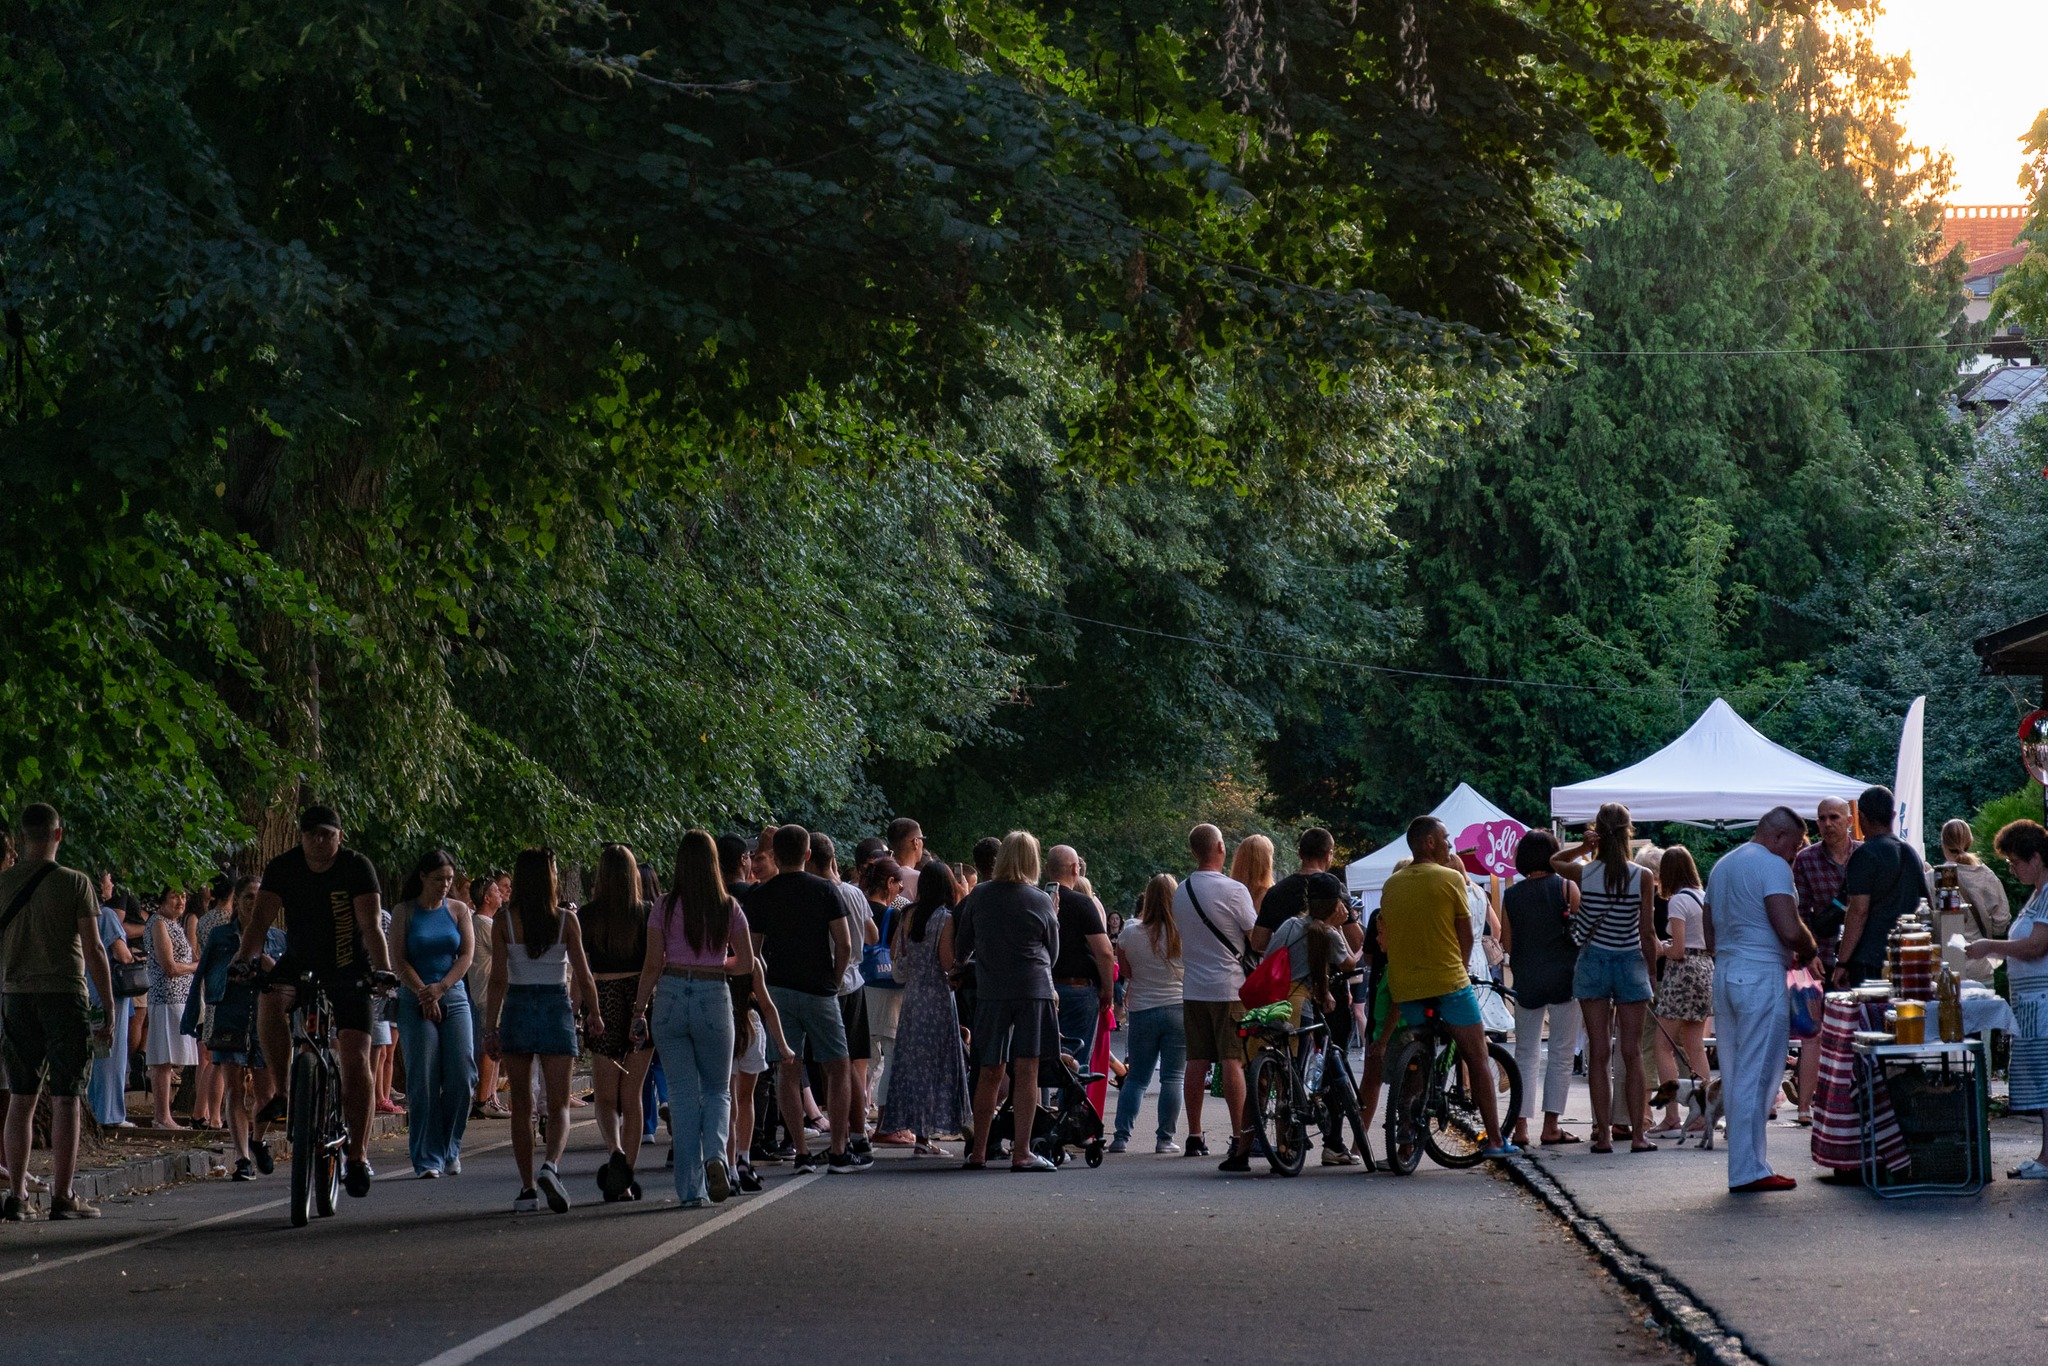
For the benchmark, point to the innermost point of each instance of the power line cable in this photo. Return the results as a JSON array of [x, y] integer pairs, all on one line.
[[1929, 688], [1796, 350]]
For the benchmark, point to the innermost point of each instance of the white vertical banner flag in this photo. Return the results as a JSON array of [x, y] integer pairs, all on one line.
[[1907, 785]]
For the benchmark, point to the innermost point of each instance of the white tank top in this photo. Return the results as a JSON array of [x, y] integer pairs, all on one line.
[[551, 969]]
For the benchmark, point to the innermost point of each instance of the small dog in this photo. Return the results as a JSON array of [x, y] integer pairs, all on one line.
[[1702, 1101]]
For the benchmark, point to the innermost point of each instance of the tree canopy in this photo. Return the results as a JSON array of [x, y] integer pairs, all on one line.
[[563, 418]]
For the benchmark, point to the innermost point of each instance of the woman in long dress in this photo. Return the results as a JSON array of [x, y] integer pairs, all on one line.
[[928, 1072]]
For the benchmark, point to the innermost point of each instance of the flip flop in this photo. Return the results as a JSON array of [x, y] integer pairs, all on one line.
[[1504, 1150], [1601, 1148], [1561, 1139], [1642, 1147], [970, 1165]]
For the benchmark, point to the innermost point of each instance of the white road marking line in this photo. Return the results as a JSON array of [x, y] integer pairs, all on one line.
[[146, 1238], [111, 1248], [610, 1280]]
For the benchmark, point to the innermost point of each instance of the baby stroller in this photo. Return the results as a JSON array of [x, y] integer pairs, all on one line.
[[1070, 1121]]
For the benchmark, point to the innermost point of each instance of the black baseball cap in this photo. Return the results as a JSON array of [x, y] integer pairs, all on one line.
[[1323, 887], [318, 818]]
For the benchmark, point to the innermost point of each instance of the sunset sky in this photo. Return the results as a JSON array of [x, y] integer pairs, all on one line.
[[1980, 75]]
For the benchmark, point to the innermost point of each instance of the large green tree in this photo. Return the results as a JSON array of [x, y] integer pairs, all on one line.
[[1702, 503], [365, 360]]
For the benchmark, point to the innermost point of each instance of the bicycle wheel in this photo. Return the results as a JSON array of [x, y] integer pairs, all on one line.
[[303, 1127], [1407, 1073], [1453, 1130], [1277, 1125], [327, 1182]]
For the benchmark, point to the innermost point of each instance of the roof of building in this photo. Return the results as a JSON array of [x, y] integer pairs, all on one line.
[[2005, 386], [1994, 263]]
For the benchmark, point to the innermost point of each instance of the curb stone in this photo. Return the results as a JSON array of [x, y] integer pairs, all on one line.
[[1688, 1321], [166, 1169]]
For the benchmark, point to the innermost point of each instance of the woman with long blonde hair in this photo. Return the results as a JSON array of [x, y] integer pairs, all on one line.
[[1148, 951], [1252, 865], [1611, 982]]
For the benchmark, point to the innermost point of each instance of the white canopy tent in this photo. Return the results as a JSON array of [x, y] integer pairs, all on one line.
[[1721, 770], [1474, 822]]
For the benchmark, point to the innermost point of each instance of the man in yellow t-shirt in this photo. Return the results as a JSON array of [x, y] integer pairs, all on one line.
[[1426, 930]]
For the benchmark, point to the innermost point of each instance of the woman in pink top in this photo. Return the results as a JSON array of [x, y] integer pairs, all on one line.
[[696, 936]]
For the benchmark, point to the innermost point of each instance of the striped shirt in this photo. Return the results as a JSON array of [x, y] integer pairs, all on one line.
[[1617, 916]]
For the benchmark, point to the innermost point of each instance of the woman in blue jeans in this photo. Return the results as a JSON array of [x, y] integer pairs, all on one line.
[[432, 944], [1148, 951], [697, 938]]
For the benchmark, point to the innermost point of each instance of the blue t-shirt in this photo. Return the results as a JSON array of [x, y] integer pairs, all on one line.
[[1742, 878], [111, 933]]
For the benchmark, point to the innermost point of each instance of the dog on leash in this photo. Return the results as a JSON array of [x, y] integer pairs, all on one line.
[[1702, 1101]]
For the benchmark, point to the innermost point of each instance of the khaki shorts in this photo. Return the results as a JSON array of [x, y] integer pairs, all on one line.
[[1212, 1030]]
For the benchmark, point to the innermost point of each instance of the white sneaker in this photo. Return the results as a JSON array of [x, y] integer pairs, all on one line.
[[1166, 1145], [1338, 1157]]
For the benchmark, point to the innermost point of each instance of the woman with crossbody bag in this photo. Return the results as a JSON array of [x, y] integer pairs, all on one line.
[[1611, 981]]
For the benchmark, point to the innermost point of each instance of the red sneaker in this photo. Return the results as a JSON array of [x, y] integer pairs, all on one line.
[[1764, 1183]]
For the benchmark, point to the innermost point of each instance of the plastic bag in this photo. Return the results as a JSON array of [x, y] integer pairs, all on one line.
[[1808, 1005]]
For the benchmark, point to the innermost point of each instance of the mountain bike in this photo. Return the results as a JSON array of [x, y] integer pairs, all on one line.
[[1430, 1105], [1298, 1078]]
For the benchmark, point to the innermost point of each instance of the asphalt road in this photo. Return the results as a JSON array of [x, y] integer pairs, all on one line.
[[1148, 1259]]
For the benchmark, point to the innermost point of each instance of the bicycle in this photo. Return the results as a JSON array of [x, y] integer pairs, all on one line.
[[1291, 1087], [1429, 1106], [314, 1123]]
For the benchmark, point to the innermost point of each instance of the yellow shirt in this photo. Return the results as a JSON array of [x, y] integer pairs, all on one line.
[[1420, 911]]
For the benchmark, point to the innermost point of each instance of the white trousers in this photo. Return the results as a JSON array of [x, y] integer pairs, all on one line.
[[1752, 1029], [1529, 1050]]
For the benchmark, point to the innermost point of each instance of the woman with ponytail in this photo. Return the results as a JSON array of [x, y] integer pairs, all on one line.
[[1618, 940]]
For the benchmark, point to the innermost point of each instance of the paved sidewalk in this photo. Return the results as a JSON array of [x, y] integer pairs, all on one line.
[[1828, 1273]]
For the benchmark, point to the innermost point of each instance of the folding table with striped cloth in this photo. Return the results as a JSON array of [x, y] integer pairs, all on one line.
[[1837, 1118]]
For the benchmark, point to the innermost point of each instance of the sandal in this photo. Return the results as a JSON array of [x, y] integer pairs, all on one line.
[[1642, 1147], [1601, 1146], [1561, 1139], [973, 1165]]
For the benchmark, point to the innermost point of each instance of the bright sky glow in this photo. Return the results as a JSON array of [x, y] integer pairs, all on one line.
[[1980, 75]]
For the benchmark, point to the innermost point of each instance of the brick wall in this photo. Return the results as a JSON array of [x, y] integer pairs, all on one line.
[[1982, 228]]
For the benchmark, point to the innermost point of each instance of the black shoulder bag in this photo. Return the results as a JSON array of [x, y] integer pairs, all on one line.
[[1246, 959]]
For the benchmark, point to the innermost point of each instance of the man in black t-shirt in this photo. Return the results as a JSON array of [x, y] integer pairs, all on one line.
[[1085, 971], [805, 941], [333, 925], [1883, 881], [1288, 898]]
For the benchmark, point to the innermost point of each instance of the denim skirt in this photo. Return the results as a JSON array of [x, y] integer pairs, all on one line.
[[537, 1019]]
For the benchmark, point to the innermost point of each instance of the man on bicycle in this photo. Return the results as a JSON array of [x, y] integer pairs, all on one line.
[[1427, 929], [334, 930]]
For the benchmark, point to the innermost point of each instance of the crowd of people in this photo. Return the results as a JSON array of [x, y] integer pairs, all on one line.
[[770, 1001]]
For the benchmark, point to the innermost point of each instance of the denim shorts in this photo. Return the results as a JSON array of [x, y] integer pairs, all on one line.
[[1617, 975]]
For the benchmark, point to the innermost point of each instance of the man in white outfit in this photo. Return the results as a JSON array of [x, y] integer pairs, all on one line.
[[1755, 934]]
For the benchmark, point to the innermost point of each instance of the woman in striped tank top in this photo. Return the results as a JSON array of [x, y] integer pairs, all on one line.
[[1612, 980]]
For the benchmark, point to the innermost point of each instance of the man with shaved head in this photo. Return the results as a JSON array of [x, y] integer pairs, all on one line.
[[1215, 917], [1817, 872], [1754, 929], [1085, 971]]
